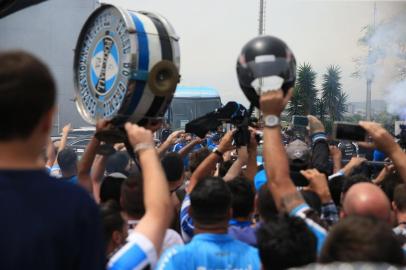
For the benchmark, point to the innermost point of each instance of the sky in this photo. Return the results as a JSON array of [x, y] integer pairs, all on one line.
[[321, 33]]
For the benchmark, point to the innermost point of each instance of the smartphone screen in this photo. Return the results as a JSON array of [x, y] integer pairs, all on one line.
[[348, 131], [300, 121]]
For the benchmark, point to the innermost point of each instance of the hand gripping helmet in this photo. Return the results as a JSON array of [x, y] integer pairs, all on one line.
[[267, 60]]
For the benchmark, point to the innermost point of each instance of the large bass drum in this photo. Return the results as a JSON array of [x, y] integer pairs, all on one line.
[[126, 66]]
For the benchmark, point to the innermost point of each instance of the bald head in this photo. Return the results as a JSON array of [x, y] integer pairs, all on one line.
[[366, 199]]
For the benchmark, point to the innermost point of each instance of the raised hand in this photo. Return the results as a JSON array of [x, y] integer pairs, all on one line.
[[139, 135], [274, 102], [226, 143], [382, 139], [318, 184], [315, 125]]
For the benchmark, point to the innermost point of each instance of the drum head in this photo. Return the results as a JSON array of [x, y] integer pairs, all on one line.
[[126, 65]]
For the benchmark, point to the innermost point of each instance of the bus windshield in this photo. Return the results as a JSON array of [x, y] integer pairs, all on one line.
[[183, 110]]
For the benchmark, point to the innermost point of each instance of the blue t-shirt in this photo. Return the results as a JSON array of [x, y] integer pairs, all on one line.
[[47, 224], [243, 231], [177, 147], [211, 251]]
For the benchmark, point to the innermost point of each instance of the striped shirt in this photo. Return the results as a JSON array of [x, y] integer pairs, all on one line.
[[139, 253]]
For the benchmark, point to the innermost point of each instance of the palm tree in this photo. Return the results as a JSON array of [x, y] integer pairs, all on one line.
[[320, 111], [341, 106], [295, 106], [332, 93], [305, 92]]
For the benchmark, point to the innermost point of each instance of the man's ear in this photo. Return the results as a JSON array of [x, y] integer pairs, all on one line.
[[117, 238], [342, 214]]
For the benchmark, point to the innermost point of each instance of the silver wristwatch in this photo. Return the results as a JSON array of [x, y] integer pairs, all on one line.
[[271, 121]]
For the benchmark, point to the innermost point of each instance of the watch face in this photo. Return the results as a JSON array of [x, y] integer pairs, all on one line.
[[271, 120], [103, 60]]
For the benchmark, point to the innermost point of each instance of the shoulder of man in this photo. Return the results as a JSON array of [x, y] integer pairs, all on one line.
[[174, 258]]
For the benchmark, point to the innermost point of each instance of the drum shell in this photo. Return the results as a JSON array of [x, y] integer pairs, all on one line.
[[152, 39]]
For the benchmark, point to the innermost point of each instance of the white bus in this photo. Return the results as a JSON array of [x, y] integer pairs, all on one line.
[[190, 103]]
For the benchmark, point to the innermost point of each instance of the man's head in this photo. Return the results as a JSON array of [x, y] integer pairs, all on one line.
[[299, 158], [299, 154], [132, 196], [266, 205], [210, 203], [27, 98], [243, 196], [399, 198], [174, 169], [197, 157], [114, 227], [352, 180], [359, 238], [389, 183], [67, 161], [366, 199], [117, 162], [225, 166], [286, 242], [110, 188]]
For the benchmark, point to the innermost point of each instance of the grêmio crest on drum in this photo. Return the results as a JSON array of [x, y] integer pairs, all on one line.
[[126, 66]]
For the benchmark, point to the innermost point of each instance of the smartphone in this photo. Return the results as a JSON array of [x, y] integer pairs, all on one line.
[[300, 121], [348, 131]]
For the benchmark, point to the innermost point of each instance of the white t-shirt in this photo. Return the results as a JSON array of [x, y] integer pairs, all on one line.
[[171, 236]]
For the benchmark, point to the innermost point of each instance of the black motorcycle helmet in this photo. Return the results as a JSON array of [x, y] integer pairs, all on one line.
[[265, 57]]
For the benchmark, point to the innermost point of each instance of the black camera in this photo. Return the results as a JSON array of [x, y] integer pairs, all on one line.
[[232, 113]]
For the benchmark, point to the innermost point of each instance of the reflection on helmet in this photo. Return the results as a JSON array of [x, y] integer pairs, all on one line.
[[269, 60]]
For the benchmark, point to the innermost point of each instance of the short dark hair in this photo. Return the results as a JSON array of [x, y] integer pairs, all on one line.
[[266, 204], [357, 238], [111, 219], [110, 188], [224, 167], [210, 201], [67, 160], [132, 196], [27, 92], [286, 242], [197, 157], [389, 184], [354, 179], [243, 196], [172, 164], [117, 162], [399, 197], [335, 186]]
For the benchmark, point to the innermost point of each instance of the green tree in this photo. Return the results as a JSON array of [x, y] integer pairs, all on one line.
[[333, 98], [320, 109], [296, 103], [341, 106], [305, 92]]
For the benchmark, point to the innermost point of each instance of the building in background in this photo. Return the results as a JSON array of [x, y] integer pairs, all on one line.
[[49, 30]]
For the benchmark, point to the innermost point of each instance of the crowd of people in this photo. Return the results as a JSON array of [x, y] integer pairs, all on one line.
[[189, 202]]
